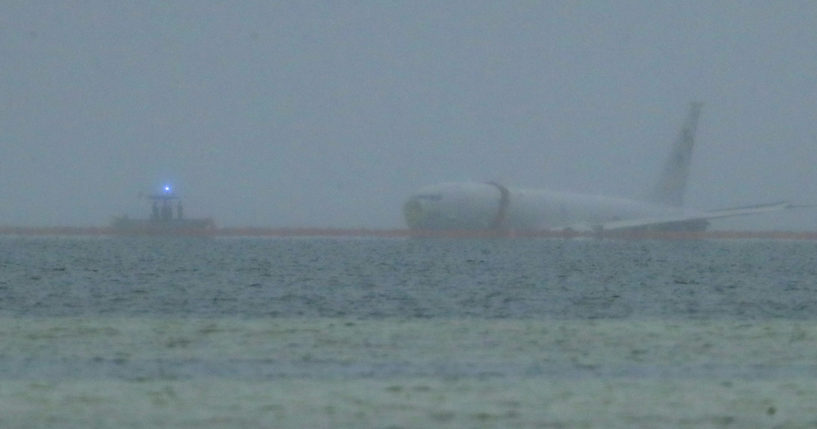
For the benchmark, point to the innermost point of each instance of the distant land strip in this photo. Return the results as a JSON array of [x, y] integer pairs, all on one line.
[[401, 233]]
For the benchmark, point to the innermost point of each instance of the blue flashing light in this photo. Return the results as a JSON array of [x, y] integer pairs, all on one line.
[[167, 189]]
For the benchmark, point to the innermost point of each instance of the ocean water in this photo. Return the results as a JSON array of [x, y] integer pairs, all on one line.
[[403, 333]]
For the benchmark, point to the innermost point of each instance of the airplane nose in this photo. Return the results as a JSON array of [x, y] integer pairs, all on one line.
[[414, 213]]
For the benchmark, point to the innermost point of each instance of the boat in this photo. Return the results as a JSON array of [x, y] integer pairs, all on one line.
[[166, 219]]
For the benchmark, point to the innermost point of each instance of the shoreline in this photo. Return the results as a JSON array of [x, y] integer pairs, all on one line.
[[406, 233]]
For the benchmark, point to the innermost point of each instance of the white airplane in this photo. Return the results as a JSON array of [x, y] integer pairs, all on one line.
[[470, 206]]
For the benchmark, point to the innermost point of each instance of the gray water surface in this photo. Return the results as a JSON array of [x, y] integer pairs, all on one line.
[[400, 278], [401, 333]]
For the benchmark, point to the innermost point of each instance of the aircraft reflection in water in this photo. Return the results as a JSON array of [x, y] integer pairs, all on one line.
[[469, 206]]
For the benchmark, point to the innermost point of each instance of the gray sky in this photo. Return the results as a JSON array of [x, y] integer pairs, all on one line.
[[331, 113]]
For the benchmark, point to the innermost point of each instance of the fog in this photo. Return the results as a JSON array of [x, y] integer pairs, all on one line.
[[329, 114]]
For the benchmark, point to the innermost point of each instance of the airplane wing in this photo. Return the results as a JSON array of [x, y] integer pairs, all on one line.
[[661, 221]]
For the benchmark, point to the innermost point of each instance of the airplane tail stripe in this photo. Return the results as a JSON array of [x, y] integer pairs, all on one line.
[[672, 183]]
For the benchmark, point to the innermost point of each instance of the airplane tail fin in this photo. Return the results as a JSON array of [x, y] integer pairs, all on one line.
[[672, 184]]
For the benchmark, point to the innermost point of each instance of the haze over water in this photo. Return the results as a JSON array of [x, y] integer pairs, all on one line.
[[330, 114], [406, 333]]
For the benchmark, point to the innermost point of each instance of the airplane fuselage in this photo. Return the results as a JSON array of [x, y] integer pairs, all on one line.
[[484, 206], [471, 206]]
